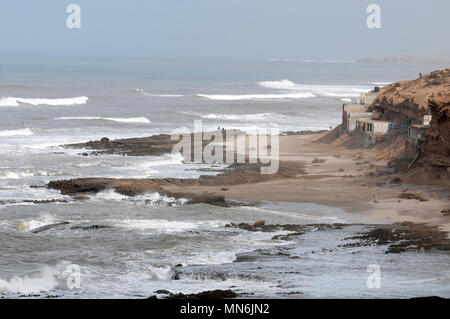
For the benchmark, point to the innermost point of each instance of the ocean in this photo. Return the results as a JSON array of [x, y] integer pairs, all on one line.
[[48, 102]]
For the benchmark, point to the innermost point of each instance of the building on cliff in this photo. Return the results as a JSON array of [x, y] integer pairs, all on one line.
[[351, 113], [373, 130]]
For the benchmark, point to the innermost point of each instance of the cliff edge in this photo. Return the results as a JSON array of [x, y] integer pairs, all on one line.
[[408, 100]]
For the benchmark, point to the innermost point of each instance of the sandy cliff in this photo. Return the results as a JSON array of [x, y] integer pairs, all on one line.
[[434, 160], [405, 100]]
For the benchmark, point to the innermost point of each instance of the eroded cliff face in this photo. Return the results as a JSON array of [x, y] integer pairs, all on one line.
[[408, 100], [434, 161]]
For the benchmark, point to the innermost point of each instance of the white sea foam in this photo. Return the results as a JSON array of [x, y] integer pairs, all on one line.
[[243, 117], [115, 119], [22, 132], [147, 198], [168, 159], [158, 225], [290, 90], [41, 281], [155, 273], [14, 101], [239, 97], [316, 90], [281, 85], [44, 219]]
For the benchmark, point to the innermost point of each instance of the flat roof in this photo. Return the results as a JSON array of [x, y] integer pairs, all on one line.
[[376, 121]]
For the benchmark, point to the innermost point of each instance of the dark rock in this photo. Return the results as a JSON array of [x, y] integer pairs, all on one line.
[[81, 198], [212, 294], [211, 199], [89, 227], [47, 227], [129, 187], [259, 223], [403, 237], [416, 196], [318, 161], [162, 292], [396, 180]]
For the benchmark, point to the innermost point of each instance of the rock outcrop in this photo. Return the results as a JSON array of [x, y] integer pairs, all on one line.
[[154, 145], [128, 187]]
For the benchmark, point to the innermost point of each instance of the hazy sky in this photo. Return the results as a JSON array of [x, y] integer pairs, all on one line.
[[226, 28]]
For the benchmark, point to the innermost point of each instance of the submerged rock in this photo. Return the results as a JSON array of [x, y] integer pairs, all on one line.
[[402, 237], [298, 229], [210, 294]]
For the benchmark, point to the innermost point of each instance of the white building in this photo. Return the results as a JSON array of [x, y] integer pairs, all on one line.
[[372, 130]]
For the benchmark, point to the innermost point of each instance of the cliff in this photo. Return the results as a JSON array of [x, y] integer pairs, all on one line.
[[407, 101], [433, 165]]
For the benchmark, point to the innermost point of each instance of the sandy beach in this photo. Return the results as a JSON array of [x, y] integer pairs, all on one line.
[[345, 178]]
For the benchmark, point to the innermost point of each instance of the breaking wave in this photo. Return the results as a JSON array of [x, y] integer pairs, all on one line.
[[23, 132], [114, 119], [317, 90], [14, 101], [42, 281], [238, 97], [243, 117], [155, 199]]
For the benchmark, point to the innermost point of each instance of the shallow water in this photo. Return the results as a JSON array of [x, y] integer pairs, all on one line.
[[137, 255]]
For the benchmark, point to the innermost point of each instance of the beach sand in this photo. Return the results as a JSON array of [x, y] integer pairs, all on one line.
[[351, 179]]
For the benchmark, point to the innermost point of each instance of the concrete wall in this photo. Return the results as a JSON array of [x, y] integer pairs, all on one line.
[[380, 127], [367, 98], [353, 117]]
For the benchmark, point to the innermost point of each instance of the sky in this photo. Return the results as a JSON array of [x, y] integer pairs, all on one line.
[[319, 29]]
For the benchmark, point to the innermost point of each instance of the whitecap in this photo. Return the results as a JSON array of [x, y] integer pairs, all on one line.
[[22, 132], [14, 101], [244, 117], [42, 281], [114, 119], [316, 90], [238, 97]]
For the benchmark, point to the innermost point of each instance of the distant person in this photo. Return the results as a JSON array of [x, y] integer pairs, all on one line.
[[420, 75]]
